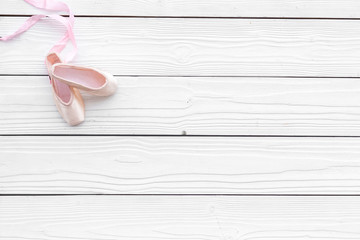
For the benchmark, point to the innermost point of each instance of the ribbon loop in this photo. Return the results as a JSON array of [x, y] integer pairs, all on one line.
[[51, 5]]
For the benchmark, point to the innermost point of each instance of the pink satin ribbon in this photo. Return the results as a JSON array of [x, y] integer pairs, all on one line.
[[51, 5]]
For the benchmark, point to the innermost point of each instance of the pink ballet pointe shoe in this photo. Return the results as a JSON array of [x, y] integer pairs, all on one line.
[[88, 79], [67, 98]]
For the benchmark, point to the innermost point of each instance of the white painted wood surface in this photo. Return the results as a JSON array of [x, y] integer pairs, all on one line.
[[179, 217], [173, 165], [187, 67], [195, 47], [202, 8], [192, 106]]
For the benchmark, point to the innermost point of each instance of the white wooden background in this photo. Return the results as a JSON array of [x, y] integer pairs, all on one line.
[[234, 119]]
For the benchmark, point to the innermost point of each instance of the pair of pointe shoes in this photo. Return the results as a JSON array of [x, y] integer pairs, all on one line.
[[67, 79]]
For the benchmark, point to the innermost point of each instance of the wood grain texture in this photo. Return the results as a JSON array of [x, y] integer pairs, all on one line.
[[179, 217], [179, 165], [192, 106], [202, 8], [194, 47]]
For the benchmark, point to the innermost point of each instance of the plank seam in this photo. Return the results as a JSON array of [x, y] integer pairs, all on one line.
[[178, 135], [191, 17], [187, 195], [192, 76]]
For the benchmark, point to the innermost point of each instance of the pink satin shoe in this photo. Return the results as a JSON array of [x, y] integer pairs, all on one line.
[[88, 79], [65, 79], [67, 98]]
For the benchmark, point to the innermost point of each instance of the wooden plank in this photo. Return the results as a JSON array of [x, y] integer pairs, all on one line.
[[179, 165], [179, 217], [208, 8], [192, 106], [194, 47]]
